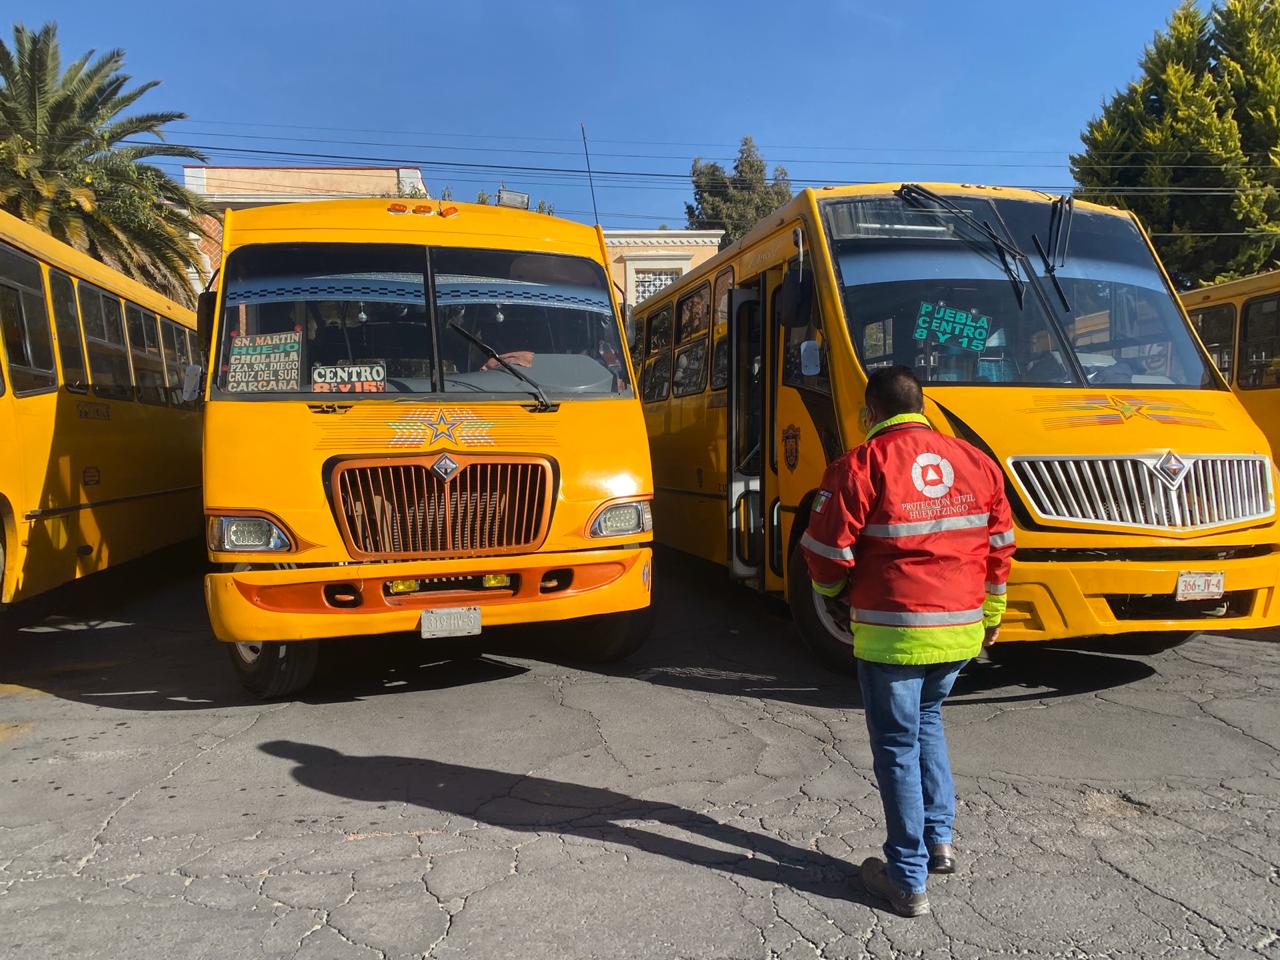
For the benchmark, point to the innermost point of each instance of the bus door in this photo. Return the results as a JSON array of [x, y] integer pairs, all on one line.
[[745, 434]]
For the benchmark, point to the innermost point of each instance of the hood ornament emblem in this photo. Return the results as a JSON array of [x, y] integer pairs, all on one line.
[[1171, 469], [444, 467]]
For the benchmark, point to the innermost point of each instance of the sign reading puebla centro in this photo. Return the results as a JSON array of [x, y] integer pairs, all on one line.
[[964, 328]]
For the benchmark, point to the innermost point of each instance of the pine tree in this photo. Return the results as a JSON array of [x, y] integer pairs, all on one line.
[[735, 203], [1192, 145]]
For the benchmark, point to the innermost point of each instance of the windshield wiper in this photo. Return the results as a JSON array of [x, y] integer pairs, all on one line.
[[1010, 257], [544, 405], [1059, 236]]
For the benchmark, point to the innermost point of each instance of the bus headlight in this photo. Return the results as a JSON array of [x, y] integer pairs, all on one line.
[[620, 519], [246, 535]]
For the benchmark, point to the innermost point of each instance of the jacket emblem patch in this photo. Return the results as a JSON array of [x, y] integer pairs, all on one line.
[[933, 475]]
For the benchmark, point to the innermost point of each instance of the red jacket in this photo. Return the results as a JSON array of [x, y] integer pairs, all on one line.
[[916, 524]]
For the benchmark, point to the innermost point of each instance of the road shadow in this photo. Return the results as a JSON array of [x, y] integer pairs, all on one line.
[[532, 804], [137, 637], [713, 636]]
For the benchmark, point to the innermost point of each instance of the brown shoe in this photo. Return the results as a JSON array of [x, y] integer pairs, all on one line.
[[877, 881], [942, 858]]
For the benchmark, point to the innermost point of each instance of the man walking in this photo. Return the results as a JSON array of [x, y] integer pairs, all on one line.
[[914, 527]]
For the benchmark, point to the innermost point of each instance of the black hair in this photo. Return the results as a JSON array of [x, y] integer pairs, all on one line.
[[894, 390]]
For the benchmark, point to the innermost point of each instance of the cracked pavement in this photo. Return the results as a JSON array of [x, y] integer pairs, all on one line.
[[709, 798]]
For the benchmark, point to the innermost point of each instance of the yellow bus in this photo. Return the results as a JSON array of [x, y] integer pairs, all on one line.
[[101, 459], [1046, 333], [1239, 322], [420, 418]]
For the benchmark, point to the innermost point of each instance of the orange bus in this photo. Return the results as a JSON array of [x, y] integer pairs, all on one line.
[[100, 437], [1239, 322], [420, 418], [1045, 332]]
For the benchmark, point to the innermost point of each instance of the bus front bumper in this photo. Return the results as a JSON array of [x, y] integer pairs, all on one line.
[[1055, 601], [311, 603]]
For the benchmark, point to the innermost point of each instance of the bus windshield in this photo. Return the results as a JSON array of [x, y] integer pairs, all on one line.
[[307, 319], [924, 290]]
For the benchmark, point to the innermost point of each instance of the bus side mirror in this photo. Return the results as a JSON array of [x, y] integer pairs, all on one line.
[[191, 382], [810, 358], [206, 303], [795, 299]]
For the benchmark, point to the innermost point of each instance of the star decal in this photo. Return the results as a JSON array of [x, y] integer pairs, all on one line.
[[442, 426], [1126, 409]]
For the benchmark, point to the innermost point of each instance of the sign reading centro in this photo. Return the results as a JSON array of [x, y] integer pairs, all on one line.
[[370, 377], [966, 329], [264, 362]]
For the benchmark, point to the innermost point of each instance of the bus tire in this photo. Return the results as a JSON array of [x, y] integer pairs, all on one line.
[[272, 669], [608, 638], [823, 629]]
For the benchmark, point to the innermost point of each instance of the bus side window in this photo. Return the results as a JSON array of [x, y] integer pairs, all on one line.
[[792, 372], [720, 331], [104, 337], [689, 373], [1217, 328], [1260, 343], [66, 320], [24, 324], [657, 368], [144, 343], [176, 358]]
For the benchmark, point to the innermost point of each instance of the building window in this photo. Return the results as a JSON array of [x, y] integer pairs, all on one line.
[[650, 282]]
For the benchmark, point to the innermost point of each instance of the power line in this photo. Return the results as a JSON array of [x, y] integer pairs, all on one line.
[[631, 174], [949, 151], [791, 161]]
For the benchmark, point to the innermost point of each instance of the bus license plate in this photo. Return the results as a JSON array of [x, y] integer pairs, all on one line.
[[450, 622], [1201, 584]]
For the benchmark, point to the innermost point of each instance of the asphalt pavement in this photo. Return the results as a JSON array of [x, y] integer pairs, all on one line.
[[709, 798]]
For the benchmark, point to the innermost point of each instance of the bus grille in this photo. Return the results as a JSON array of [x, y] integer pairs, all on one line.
[[1169, 492], [442, 506]]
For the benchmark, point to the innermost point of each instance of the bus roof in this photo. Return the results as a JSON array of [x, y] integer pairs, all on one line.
[[801, 202], [1232, 289], [70, 260], [372, 220]]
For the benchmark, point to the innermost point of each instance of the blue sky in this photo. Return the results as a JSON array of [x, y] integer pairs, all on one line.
[[835, 90]]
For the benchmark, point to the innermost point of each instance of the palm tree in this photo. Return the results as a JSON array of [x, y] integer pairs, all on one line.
[[73, 166]]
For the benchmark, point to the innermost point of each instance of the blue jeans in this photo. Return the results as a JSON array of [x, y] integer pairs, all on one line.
[[903, 704]]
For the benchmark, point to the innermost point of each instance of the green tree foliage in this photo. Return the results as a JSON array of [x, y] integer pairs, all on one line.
[[72, 165], [1193, 144], [735, 202]]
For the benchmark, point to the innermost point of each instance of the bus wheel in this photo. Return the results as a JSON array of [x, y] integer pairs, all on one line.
[[823, 623], [608, 638], [273, 669]]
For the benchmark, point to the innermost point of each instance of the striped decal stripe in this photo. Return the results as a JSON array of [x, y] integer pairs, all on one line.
[[822, 550], [911, 618], [893, 530]]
